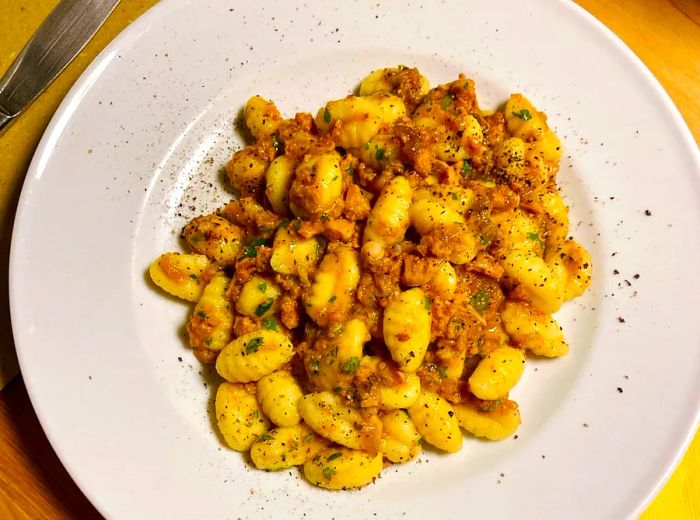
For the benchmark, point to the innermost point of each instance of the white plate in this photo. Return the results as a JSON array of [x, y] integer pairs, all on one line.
[[144, 132]]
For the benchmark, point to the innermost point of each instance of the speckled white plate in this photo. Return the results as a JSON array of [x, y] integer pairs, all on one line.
[[136, 149]]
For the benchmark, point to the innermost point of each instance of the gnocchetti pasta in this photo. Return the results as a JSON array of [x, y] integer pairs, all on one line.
[[380, 280]]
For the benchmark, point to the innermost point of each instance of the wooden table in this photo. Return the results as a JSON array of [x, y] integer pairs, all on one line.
[[665, 34]]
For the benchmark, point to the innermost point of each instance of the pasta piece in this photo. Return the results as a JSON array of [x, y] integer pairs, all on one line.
[[317, 186], [261, 117], [254, 355], [532, 330], [456, 198], [427, 214], [355, 120], [510, 157], [388, 220], [279, 395], [402, 395], [330, 296], [215, 237], [381, 150], [390, 80], [390, 107], [286, 446], [246, 170], [497, 373], [434, 418], [525, 122], [579, 268], [494, 424], [238, 416], [557, 218], [294, 255], [444, 283], [453, 145], [542, 282], [401, 441], [212, 320], [351, 339], [328, 415], [341, 468], [180, 275], [258, 297], [407, 328], [278, 179]]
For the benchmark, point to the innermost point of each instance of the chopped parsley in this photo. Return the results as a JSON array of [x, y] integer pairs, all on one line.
[[334, 456], [251, 249], [337, 389], [350, 366], [264, 437], [466, 168], [326, 116], [262, 287], [253, 345], [524, 114], [446, 101], [325, 217], [480, 300], [315, 365], [264, 307], [332, 299], [379, 154], [193, 277], [202, 314], [276, 143], [442, 371], [328, 472], [284, 223], [426, 303], [269, 324]]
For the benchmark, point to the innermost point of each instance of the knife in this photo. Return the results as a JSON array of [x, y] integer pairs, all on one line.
[[58, 40]]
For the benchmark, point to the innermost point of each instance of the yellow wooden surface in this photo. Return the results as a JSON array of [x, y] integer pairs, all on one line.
[[665, 34]]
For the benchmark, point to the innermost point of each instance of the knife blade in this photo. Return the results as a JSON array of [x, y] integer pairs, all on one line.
[[58, 40]]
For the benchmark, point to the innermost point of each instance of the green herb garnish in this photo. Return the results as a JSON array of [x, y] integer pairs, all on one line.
[[379, 154], [253, 345], [350, 366], [466, 168], [446, 101], [334, 456], [262, 287], [269, 324], [524, 114], [426, 302], [202, 314], [480, 300], [326, 116], [251, 249], [328, 472], [264, 307]]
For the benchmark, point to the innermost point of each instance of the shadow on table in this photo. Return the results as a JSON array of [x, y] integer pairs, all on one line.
[[32, 450]]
